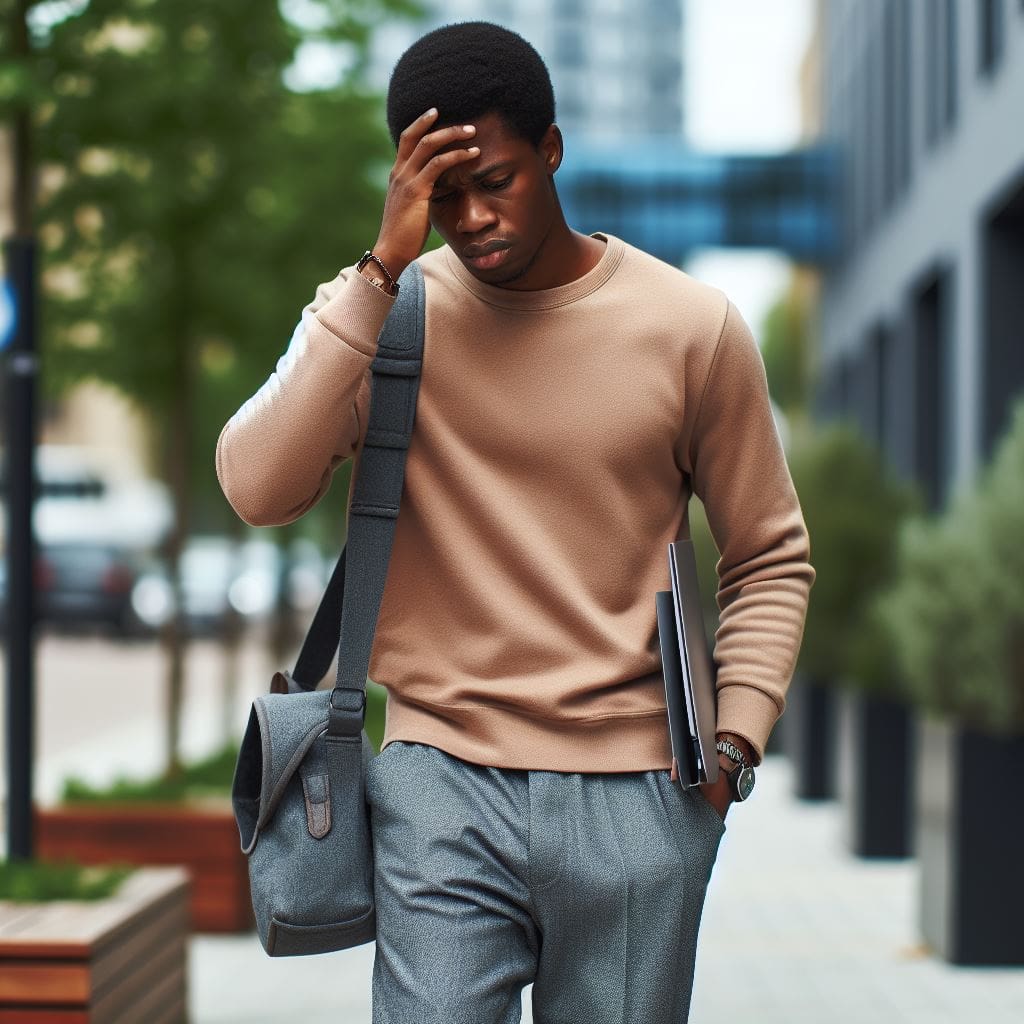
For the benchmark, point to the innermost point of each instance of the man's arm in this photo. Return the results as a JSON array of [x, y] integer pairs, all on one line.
[[739, 471], [276, 455]]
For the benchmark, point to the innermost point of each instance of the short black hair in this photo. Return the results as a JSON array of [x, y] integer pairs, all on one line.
[[467, 69]]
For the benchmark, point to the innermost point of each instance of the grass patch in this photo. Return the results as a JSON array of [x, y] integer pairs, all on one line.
[[376, 701], [210, 776], [31, 881]]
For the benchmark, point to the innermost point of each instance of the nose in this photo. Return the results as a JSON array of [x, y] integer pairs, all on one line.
[[474, 215]]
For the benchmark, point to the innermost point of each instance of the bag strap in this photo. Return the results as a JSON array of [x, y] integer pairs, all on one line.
[[346, 619]]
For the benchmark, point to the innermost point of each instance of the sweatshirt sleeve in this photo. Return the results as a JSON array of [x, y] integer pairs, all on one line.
[[740, 473], [276, 455]]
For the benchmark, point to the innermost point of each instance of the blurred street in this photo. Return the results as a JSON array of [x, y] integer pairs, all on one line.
[[100, 707], [794, 928]]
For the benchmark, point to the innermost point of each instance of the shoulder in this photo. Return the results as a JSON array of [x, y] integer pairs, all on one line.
[[433, 262], [672, 297]]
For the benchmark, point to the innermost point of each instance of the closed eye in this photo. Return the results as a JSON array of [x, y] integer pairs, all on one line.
[[491, 186]]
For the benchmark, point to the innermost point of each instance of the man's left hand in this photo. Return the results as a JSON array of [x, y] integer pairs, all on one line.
[[718, 794]]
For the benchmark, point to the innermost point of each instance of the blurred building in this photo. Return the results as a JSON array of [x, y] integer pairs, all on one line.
[[616, 65], [921, 333]]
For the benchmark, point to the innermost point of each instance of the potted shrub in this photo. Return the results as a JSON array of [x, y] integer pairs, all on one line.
[[97, 944], [852, 506], [956, 617], [185, 819]]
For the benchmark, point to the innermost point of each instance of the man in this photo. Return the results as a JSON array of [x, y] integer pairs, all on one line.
[[575, 392]]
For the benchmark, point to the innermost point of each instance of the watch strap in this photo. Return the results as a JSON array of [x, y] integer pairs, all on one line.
[[732, 752], [367, 256]]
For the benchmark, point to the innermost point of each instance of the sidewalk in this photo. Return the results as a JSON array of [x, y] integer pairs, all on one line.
[[794, 930]]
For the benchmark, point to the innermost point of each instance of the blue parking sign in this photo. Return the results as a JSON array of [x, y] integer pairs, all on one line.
[[8, 313]]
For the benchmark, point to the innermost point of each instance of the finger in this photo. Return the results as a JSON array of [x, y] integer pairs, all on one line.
[[440, 163], [429, 144], [412, 133]]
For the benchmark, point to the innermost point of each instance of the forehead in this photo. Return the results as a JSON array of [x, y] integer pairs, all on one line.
[[496, 144]]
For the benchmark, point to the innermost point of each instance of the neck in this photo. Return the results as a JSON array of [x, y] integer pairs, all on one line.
[[562, 256]]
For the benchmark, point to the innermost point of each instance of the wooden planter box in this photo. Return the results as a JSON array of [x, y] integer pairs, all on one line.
[[876, 777], [809, 728], [970, 844], [201, 835], [106, 961]]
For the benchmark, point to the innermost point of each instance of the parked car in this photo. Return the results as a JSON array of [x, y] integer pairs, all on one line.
[[82, 497], [221, 577], [93, 526], [80, 586], [209, 565]]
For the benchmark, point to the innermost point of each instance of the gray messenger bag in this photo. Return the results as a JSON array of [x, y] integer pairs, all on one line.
[[298, 789]]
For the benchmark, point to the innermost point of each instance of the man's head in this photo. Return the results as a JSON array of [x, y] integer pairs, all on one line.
[[483, 74]]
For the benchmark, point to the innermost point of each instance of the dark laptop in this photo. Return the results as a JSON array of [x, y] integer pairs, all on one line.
[[691, 693]]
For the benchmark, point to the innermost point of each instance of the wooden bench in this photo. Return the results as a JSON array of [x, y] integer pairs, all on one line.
[[120, 960]]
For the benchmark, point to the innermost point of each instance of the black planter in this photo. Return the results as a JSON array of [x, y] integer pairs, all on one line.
[[970, 843], [809, 727], [876, 762]]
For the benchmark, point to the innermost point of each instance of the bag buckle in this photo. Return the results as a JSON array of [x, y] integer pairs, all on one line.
[[346, 716]]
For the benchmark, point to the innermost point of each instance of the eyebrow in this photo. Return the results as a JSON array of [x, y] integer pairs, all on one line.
[[478, 175]]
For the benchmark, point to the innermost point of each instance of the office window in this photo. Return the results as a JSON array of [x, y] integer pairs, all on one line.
[[952, 64], [990, 35], [933, 352], [569, 49], [931, 80], [906, 125], [890, 106]]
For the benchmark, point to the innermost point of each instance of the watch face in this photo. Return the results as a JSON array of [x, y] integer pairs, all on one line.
[[745, 783]]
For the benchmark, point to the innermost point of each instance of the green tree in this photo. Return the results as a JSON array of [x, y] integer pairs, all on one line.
[[854, 507], [190, 204], [786, 353], [955, 612]]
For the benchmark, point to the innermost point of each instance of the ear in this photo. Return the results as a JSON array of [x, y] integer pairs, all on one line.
[[551, 148]]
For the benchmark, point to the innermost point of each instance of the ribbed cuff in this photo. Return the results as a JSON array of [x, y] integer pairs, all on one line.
[[748, 712], [357, 313]]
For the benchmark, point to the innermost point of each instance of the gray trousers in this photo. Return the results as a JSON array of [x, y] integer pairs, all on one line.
[[589, 885]]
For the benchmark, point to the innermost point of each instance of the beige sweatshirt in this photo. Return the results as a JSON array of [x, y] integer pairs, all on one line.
[[559, 435]]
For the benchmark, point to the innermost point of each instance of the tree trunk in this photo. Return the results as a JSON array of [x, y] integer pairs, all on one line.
[[231, 646], [174, 635]]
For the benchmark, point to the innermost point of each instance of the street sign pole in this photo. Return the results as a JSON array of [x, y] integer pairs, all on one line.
[[21, 367]]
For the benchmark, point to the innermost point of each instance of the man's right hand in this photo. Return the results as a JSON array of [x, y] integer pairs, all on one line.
[[406, 221]]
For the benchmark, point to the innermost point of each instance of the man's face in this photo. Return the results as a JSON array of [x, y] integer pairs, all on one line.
[[503, 195]]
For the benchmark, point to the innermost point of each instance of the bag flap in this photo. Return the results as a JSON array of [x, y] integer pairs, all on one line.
[[289, 725]]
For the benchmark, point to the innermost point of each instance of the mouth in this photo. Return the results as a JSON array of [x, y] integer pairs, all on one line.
[[493, 256]]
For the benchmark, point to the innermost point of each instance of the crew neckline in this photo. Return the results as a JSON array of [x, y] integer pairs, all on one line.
[[543, 298]]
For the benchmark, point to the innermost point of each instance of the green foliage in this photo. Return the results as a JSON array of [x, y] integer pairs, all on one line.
[[853, 507], [210, 776], [33, 881], [189, 201], [707, 556], [376, 701], [955, 613], [785, 350]]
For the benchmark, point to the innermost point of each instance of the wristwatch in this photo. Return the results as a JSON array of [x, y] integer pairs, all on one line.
[[391, 286], [741, 778]]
